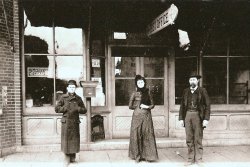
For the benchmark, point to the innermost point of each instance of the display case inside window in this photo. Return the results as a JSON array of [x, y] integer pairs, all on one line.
[[39, 81], [239, 79]]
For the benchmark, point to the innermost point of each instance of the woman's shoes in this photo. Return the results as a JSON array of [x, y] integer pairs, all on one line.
[[138, 159]]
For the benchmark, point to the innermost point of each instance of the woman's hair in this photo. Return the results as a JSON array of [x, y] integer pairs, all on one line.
[[139, 77], [145, 92]]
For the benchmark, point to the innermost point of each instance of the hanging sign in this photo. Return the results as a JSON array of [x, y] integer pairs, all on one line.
[[163, 20]]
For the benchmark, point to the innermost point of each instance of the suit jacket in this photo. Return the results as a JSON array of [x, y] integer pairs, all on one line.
[[203, 104]]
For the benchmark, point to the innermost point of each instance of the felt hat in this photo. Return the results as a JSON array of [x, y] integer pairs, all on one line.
[[72, 82], [194, 74]]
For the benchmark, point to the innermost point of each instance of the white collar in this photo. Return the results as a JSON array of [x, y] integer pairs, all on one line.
[[193, 89]]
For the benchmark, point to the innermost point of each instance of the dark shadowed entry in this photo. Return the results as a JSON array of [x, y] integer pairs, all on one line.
[[150, 62]]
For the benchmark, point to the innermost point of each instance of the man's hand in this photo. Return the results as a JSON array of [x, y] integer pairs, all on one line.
[[181, 123], [204, 123]]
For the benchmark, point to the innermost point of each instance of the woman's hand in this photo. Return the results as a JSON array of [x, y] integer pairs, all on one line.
[[143, 106]]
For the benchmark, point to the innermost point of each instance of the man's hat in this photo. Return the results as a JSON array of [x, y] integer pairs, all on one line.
[[72, 82], [194, 74]]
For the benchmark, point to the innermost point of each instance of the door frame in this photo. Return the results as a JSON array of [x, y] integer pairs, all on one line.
[[166, 107]]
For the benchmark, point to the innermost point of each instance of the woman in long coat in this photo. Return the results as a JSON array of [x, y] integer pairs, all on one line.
[[71, 105], [142, 145]]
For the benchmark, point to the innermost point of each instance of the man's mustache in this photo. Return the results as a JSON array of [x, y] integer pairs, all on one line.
[[192, 84]]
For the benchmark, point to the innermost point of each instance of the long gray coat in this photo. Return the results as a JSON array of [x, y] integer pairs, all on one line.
[[70, 106]]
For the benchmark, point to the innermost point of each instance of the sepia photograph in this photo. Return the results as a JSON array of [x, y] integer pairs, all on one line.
[[124, 83]]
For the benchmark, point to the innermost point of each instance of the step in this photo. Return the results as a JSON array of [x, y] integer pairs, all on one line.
[[123, 144]]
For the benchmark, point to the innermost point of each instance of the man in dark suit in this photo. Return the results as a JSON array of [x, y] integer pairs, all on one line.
[[70, 105], [194, 115]]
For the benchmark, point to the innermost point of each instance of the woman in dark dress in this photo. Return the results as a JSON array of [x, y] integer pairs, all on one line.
[[142, 145]]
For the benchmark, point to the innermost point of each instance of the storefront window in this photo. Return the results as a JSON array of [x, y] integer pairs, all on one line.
[[225, 69], [154, 73], [125, 71], [37, 39], [239, 80], [183, 68], [68, 67], [47, 64], [68, 41], [215, 79], [39, 81]]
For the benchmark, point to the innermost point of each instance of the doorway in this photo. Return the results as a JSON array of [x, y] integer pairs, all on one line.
[[151, 63]]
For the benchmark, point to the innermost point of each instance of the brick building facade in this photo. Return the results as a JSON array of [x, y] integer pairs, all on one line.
[[10, 77]]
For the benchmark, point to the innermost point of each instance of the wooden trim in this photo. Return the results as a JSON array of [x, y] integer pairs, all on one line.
[[54, 62], [23, 67], [171, 77], [228, 108], [166, 95], [228, 50]]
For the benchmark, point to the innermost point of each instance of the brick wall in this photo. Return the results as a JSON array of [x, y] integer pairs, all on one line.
[[10, 76]]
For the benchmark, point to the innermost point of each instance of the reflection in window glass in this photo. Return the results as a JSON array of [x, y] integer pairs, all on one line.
[[67, 68], [36, 38], [156, 87], [183, 68], [125, 67], [153, 67], [68, 41], [239, 71], [215, 79], [39, 81], [123, 91]]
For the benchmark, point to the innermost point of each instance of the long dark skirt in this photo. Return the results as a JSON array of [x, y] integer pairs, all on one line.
[[142, 143]]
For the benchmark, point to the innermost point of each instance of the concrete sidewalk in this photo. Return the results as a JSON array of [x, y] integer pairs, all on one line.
[[229, 156]]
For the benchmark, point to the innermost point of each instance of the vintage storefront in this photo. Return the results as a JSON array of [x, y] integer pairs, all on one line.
[[107, 42]]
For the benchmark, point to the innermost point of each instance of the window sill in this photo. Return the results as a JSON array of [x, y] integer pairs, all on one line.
[[50, 110], [221, 108]]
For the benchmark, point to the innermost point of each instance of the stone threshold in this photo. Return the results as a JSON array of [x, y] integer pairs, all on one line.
[[123, 144]]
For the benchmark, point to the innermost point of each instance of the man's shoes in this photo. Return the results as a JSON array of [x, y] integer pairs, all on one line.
[[138, 159], [66, 161], [200, 163], [189, 163], [72, 160]]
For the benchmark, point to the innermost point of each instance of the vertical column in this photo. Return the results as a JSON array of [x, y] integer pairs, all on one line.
[[88, 77]]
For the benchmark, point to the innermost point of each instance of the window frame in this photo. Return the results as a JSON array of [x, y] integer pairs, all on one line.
[[214, 107], [95, 109]]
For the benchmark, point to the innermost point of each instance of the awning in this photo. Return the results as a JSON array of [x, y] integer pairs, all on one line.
[[135, 15]]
